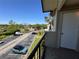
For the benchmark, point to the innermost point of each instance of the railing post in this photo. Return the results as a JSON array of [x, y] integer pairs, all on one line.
[[34, 57], [39, 52]]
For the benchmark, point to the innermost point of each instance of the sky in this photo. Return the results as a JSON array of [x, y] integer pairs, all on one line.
[[21, 11]]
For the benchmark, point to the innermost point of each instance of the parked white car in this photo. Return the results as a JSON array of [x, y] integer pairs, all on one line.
[[18, 33]]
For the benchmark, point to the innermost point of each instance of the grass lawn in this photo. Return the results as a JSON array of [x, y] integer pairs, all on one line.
[[3, 36]]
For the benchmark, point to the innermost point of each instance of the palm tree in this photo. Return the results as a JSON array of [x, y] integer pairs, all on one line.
[[46, 19], [50, 21]]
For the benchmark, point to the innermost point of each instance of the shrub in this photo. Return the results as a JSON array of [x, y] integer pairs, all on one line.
[[40, 32], [2, 36]]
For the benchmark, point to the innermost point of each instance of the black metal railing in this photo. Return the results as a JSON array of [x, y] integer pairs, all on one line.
[[39, 49]]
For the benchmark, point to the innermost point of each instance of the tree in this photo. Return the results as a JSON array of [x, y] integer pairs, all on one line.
[[50, 21], [47, 20], [11, 22], [12, 27]]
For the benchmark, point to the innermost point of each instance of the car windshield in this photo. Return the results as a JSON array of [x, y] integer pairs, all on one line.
[[19, 47]]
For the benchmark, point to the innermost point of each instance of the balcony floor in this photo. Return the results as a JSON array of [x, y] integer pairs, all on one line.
[[61, 53]]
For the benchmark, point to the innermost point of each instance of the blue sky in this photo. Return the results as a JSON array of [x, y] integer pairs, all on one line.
[[21, 11]]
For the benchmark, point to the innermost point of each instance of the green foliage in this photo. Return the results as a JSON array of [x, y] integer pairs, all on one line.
[[40, 33], [2, 36], [6, 30], [38, 26], [26, 30], [11, 29]]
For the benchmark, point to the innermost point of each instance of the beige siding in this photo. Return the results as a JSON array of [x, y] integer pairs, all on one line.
[[51, 39]]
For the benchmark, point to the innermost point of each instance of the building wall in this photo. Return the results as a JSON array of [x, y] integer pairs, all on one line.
[[60, 22], [51, 39], [51, 36], [59, 27], [54, 38]]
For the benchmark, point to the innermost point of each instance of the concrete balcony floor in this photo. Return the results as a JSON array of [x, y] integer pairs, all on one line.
[[61, 53]]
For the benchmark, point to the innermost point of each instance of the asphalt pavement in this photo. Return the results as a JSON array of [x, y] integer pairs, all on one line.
[[26, 42], [8, 39]]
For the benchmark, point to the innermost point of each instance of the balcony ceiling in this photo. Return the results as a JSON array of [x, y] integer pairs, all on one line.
[[49, 5], [71, 4]]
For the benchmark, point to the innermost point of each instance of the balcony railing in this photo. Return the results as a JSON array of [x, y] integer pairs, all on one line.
[[39, 49]]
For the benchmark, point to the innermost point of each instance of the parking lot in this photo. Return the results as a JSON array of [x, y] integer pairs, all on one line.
[[26, 42], [8, 39]]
